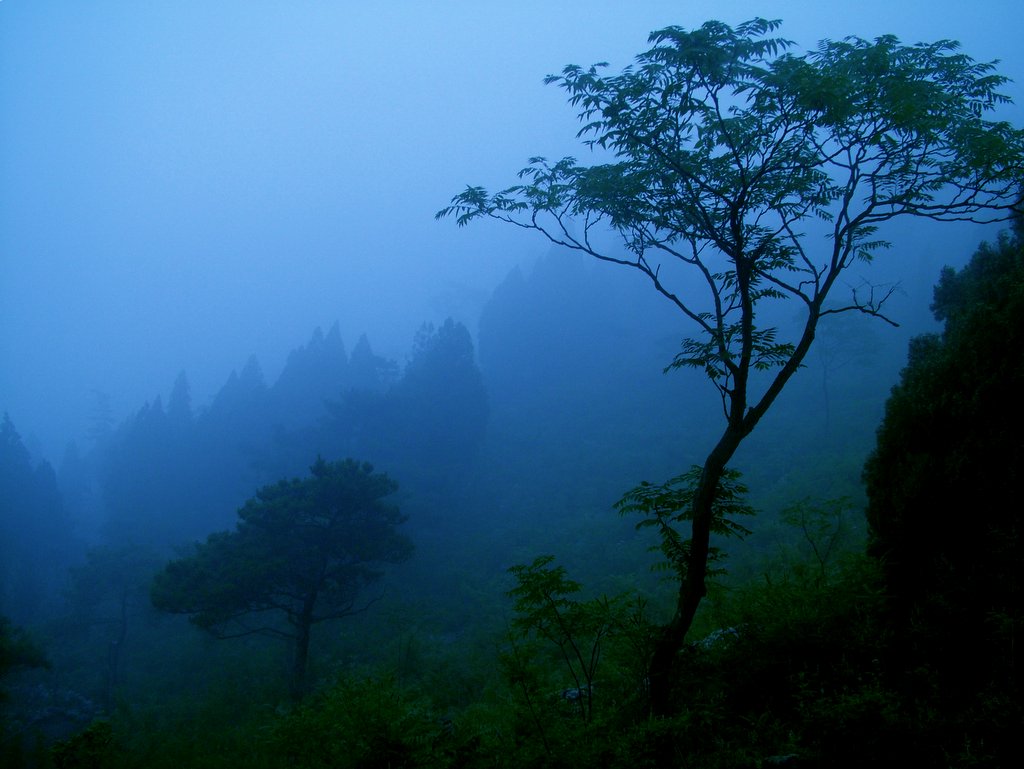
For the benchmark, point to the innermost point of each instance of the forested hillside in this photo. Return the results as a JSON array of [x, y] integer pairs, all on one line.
[[685, 493], [533, 465]]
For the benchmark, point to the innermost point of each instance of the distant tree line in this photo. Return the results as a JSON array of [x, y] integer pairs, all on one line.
[[172, 473]]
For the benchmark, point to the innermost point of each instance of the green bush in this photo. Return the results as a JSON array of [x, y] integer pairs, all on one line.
[[361, 723], [92, 748]]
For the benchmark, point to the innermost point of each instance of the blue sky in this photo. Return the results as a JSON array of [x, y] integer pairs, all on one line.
[[183, 184]]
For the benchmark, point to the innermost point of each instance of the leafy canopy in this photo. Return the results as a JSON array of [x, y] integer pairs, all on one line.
[[725, 145], [302, 547]]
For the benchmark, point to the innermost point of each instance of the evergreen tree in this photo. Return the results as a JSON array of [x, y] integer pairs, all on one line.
[[302, 552], [430, 423], [179, 404], [442, 400], [369, 372], [944, 523], [35, 536], [312, 375]]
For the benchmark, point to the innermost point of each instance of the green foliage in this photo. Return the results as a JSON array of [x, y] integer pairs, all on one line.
[[576, 668], [792, 671], [727, 150], [825, 531], [92, 748], [362, 723], [370, 720], [706, 354], [950, 439], [726, 142], [17, 649], [665, 505], [793, 668], [942, 523], [577, 629], [303, 550], [315, 538]]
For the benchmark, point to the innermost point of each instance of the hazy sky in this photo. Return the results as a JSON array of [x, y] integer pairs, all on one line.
[[183, 184]]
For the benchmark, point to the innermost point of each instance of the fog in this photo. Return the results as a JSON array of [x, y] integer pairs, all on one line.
[[186, 184], [296, 471]]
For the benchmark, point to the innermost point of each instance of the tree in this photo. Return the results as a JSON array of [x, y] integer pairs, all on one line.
[[312, 375], [179, 404], [727, 151], [441, 402], [577, 629], [18, 650], [429, 423], [108, 591], [942, 523], [303, 549], [369, 372], [35, 539], [146, 478]]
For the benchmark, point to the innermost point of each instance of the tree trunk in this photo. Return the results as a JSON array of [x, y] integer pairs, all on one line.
[[693, 588], [303, 624], [115, 655]]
